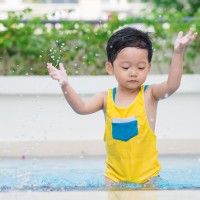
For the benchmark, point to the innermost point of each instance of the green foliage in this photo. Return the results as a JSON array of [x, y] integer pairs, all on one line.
[[168, 17], [189, 6], [25, 48]]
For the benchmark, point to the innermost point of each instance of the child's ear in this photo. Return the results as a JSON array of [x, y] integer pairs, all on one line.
[[109, 68]]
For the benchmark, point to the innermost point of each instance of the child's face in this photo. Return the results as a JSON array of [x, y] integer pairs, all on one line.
[[131, 67]]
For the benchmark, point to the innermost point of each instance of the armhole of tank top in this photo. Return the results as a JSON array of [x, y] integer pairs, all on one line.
[[145, 87], [109, 99], [108, 109], [113, 94]]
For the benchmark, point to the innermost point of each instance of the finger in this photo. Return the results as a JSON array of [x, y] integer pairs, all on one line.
[[190, 32], [53, 73], [180, 35], [51, 68], [54, 76], [61, 66], [49, 64], [194, 36]]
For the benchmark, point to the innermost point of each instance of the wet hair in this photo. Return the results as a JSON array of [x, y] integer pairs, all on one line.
[[128, 37]]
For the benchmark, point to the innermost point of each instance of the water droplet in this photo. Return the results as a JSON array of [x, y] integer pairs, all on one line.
[[166, 95], [151, 119]]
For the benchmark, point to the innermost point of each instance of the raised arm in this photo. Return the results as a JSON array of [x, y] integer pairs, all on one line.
[[78, 104], [168, 87]]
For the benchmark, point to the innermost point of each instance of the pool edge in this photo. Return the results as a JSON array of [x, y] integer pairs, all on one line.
[[88, 147]]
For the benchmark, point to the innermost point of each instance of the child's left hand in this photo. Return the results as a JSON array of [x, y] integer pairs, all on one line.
[[182, 41]]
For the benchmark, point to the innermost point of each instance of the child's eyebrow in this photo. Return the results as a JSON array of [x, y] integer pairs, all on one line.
[[124, 62], [142, 62], [128, 62]]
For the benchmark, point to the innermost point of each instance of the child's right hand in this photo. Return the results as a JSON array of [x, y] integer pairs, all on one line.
[[58, 74]]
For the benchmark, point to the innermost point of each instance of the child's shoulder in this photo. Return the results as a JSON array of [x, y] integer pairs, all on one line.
[[103, 95]]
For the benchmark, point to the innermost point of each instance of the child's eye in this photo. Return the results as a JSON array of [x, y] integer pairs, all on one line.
[[141, 67], [126, 68]]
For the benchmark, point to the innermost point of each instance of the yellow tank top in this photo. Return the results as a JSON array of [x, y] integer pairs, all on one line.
[[131, 150]]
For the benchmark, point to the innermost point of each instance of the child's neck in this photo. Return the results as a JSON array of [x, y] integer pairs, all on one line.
[[125, 97]]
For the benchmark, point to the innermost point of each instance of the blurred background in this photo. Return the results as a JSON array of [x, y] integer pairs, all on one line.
[[35, 118], [75, 32]]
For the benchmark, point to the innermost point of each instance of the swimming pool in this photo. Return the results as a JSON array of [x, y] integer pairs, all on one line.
[[80, 173]]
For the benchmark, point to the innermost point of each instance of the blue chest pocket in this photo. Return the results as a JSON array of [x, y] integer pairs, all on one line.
[[124, 128]]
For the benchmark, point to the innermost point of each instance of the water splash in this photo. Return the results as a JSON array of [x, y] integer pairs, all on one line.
[[56, 53], [166, 95], [84, 173]]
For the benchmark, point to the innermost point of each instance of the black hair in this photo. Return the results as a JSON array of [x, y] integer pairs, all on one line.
[[128, 37]]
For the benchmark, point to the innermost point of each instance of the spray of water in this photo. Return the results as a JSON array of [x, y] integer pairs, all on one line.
[[55, 53]]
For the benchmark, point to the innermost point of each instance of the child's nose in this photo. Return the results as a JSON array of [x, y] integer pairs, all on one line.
[[132, 72]]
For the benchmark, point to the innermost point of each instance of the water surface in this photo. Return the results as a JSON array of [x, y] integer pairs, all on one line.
[[86, 173]]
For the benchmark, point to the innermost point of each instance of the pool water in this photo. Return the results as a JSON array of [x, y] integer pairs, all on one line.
[[86, 173]]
